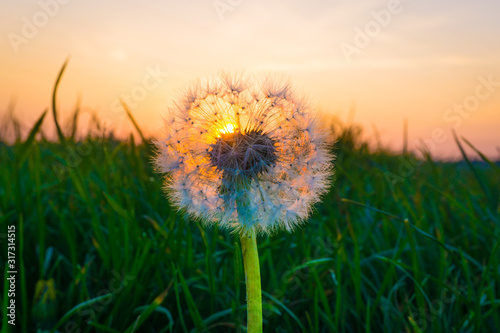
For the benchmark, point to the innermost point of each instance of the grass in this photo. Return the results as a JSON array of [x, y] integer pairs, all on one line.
[[399, 244]]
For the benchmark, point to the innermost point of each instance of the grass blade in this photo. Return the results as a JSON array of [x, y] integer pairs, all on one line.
[[149, 310], [483, 157], [25, 147], [286, 309], [54, 107], [79, 307], [193, 309], [132, 119], [475, 173]]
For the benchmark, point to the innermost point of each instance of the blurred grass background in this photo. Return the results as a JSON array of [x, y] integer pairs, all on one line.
[[400, 244]]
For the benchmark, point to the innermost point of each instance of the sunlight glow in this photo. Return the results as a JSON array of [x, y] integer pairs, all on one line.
[[227, 129]]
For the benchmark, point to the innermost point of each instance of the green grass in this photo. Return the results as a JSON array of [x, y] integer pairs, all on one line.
[[392, 248]]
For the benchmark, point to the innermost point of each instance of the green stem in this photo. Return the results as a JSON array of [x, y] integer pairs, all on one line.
[[252, 278]]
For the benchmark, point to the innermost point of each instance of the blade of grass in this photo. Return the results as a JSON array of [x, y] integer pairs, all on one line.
[[79, 307], [483, 157], [356, 265], [74, 123], [149, 310], [286, 309], [178, 300], [415, 265], [193, 309], [116, 206], [218, 315], [26, 145], [417, 284], [475, 173], [338, 279], [373, 208], [54, 107], [132, 119]]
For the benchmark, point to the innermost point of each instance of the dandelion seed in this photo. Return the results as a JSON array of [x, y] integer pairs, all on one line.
[[248, 156]]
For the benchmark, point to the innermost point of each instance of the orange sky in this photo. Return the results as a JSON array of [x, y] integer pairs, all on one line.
[[374, 63]]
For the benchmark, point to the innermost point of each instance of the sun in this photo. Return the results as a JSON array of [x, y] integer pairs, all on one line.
[[227, 129]]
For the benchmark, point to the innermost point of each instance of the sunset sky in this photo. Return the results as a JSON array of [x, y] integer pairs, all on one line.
[[373, 63]]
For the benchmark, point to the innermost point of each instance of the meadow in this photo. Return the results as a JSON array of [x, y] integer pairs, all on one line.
[[400, 244]]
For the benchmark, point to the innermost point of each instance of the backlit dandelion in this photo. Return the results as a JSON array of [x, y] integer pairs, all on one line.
[[244, 155], [250, 156]]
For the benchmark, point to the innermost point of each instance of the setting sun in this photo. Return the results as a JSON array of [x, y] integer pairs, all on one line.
[[227, 129]]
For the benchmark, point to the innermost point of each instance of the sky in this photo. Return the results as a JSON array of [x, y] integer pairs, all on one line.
[[377, 64]]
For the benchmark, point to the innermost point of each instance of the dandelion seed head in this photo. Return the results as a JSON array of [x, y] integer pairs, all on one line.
[[244, 154]]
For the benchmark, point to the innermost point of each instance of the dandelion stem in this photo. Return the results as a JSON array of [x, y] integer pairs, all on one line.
[[252, 278]]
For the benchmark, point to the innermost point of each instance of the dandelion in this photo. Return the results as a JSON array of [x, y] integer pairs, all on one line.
[[251, 157], [245, 157]]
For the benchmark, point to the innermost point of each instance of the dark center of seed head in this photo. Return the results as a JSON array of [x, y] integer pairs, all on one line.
[[243, 155]]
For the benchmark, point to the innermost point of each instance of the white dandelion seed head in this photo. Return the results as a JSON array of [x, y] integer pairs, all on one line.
[[244, 154]]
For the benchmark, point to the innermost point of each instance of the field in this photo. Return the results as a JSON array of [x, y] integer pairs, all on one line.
[[399, 244]]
